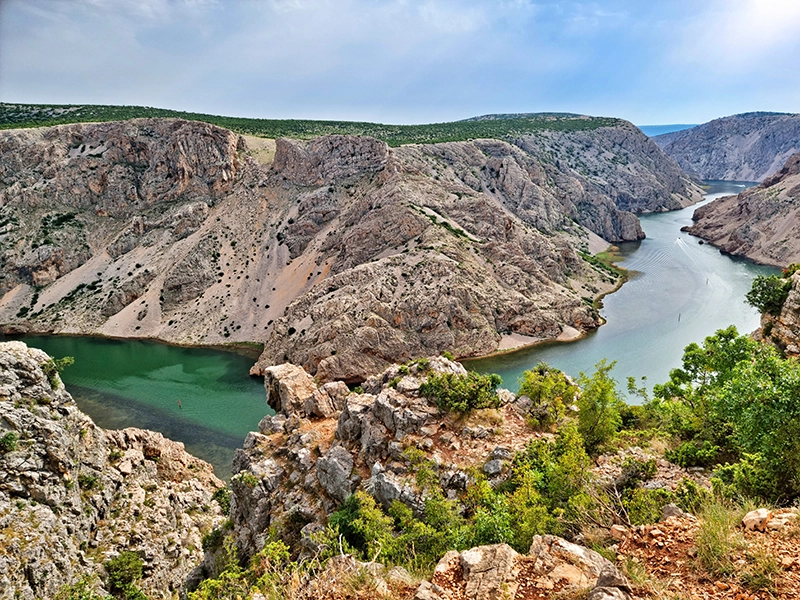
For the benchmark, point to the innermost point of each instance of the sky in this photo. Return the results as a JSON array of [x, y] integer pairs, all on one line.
[[406, 61]]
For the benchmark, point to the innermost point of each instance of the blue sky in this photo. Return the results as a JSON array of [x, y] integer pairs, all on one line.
[[406, 61]]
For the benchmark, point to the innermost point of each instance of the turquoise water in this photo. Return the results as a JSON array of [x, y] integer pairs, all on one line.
[[202, 397], [679, 291]]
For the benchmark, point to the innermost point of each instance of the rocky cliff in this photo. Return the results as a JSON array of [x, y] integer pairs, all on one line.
[[746, 147], [72, 495], [762, 223], [341, 254], [783, 330]]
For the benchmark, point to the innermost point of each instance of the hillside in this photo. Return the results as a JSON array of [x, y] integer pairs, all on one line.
[[342, 254], [761, 223], [745, 147], [14, 116]]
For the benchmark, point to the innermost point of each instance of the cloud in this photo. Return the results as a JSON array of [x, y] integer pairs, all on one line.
[[737, 35]]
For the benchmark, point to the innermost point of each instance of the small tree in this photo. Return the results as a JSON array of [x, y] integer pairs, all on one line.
[[599, 407], [768, 293], [550, 391]]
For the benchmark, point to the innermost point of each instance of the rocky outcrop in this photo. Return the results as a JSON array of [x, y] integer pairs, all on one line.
[[73, 496], [745, 147], [553, 567], [783, 330], [762, 223], [341, 254]]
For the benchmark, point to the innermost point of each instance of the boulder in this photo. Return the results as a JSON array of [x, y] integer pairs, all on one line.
[[756, 520], [334, 473], [288, 387]]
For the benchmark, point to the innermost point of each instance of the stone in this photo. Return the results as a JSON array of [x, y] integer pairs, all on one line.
[[490, 572], [607, 593], [334, 472], [493, 468], [288, 387], [618, 532], [756, 520], [672, 510]]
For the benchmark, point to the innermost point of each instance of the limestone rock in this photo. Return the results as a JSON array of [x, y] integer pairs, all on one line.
[[760, 223], [342, 255], [289, 388], [756, 520], [334, 472], [745, 147], [72, 495]]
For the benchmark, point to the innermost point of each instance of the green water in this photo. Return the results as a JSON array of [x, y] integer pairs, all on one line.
[[679, 291], [204, 398]]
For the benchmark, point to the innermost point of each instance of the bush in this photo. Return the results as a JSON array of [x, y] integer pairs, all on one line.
[[599, 407], [223, 497], [124, 571], [8, 443], [550, 391], [462, 393], [717, 540], [53, 366], [768, 293], [694, 454]]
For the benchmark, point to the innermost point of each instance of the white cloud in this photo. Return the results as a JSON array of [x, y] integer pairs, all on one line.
[[733, 35]]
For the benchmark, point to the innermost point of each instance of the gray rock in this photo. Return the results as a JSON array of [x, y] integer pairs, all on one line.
[[493, 468], [334, 472]]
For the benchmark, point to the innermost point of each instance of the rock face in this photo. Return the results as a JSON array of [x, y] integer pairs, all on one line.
[[746, 147], [784, 330], [73, 495], [341, 254], [553, 567], [762, 223]]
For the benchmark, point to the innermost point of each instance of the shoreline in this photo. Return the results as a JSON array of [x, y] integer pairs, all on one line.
[[247, 349], [561, 339]]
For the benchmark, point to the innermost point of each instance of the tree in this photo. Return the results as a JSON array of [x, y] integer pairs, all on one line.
[[599, 407], [550, 391], [768, 293]]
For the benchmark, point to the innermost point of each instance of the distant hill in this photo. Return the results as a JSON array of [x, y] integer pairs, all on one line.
[[19, 116], [654, 130], [745, 147]]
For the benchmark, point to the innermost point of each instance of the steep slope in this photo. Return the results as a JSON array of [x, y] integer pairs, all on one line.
[[73, 495], [745, 147], [761, 223], [338, 251]]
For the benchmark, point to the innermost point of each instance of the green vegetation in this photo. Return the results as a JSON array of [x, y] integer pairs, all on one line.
[[462, 393], [13, 116], [769, 293], [53, 366], [124, 571], [8, 443], [551, 393], [599, 407]]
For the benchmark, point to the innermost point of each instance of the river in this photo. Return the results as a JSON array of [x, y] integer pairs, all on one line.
[[199, 396], [679, 291]]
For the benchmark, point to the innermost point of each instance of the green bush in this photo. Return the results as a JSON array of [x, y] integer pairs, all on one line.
[[124, 571], [53, 366], [8, 443], [223, 498], [694, 453], [768, 293], [550, 391], [462, 393], [599, 407]]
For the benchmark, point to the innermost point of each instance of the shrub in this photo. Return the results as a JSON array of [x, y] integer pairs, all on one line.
[[694, 453], [8, 443], [223, 497], [550, 391], [124, 571], [599, 407], [53, 366], [462, 393], [768, 293]]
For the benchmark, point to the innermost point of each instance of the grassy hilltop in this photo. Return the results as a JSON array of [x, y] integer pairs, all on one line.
[[17, 116]]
